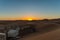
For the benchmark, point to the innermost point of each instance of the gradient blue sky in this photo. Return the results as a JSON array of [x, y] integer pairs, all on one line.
[[10, 9]]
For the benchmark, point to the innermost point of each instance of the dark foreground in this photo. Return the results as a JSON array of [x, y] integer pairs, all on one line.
[[52, 35]]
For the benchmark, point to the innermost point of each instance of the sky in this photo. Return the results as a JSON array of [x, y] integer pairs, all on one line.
[[21, 9]]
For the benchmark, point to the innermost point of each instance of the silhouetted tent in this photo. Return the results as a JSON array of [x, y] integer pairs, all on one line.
[[12, 33]]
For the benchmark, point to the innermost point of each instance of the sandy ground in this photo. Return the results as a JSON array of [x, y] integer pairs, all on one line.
[[52, 35]]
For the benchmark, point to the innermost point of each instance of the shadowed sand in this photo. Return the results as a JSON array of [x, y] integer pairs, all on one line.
[[52, 35]]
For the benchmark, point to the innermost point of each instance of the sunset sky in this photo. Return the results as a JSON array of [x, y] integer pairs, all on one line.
[[23, 9]]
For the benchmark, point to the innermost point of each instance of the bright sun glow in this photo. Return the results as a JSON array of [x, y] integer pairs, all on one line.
[[30, 19]]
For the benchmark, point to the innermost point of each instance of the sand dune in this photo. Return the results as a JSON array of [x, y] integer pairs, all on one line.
[[50, 31], [53, 35]]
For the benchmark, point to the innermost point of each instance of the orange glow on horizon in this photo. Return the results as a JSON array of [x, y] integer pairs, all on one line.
[[29, 18], [22, 18]]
